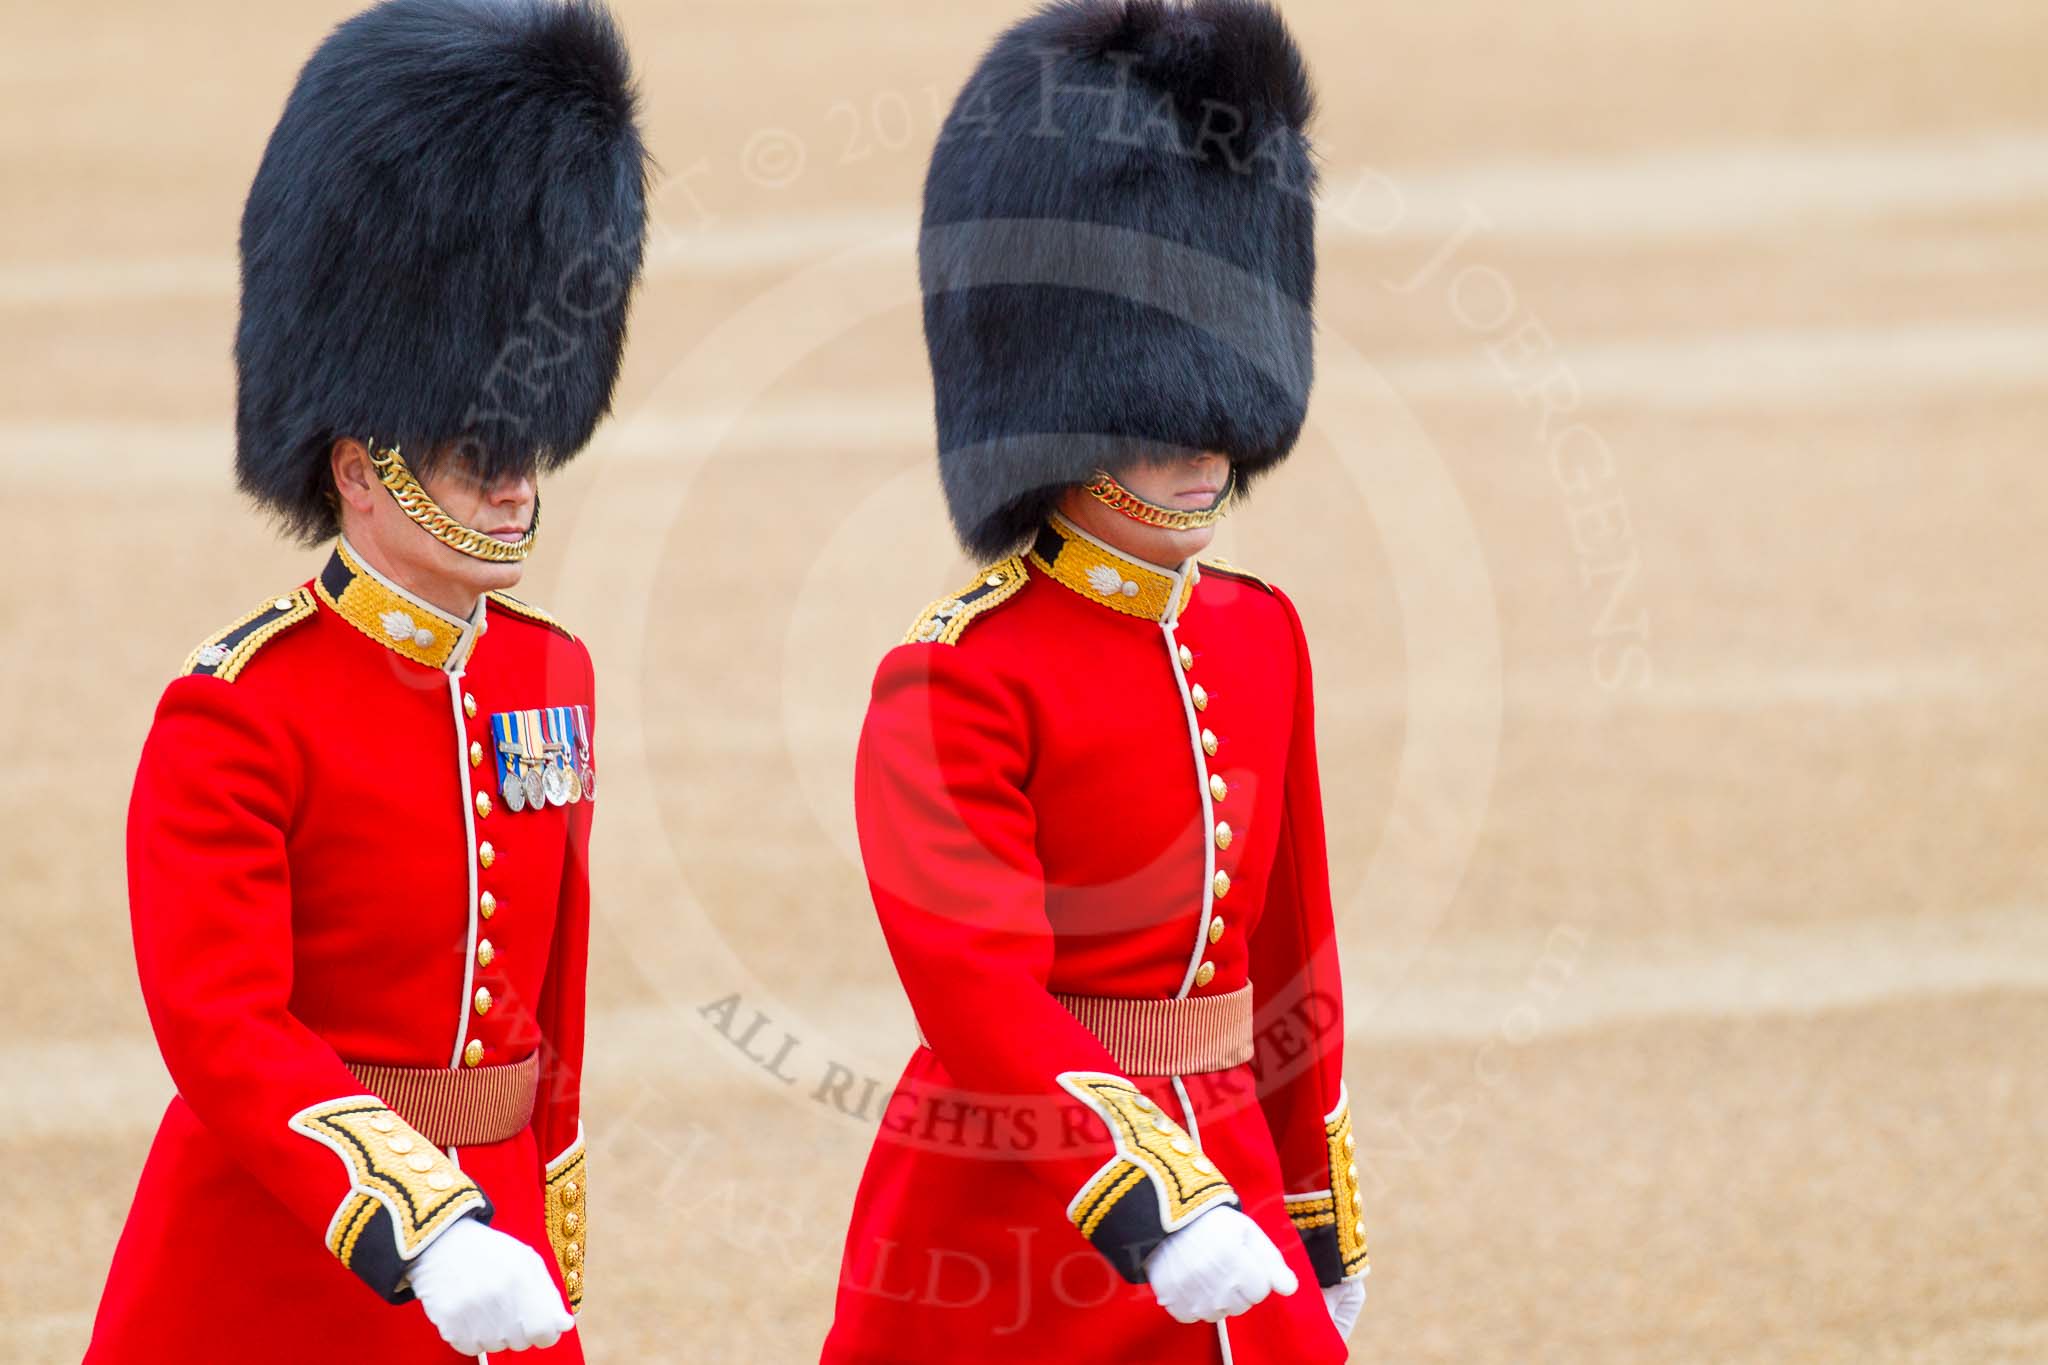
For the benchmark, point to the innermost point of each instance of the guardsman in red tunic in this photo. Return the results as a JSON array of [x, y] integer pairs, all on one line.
[[1087, 789], [358, 841]]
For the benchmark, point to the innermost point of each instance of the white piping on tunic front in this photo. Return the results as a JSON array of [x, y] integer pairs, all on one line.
[[1187, 702], [1188, 1121], [1183, 578], [469, 829], [483, 1358]]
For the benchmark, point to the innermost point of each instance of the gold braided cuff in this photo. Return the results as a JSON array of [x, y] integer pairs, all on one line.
[[1104, 488], [1157, 1182], [413, 498], [567, 1209], [403, 1191], [1332, 1221]]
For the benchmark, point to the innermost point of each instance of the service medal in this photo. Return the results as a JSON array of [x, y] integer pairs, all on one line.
[[530, 759], [582, 716], [509, 786], [557, 753]]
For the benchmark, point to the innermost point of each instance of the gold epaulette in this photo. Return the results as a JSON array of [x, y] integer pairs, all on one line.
[[942, 622], [530, 612], [1230, 570], [225, 653]]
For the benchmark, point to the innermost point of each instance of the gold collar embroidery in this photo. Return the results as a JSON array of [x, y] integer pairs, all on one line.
[[393, 617], [1107, 576]]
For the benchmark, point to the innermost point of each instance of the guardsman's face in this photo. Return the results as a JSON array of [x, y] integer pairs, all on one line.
[[378, 526], [1187, 482]]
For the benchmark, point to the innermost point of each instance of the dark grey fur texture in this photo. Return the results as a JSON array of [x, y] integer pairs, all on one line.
[[1118, 253], [439, 246]]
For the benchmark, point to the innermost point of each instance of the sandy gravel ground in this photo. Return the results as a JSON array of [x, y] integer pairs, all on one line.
[[1669, 530]]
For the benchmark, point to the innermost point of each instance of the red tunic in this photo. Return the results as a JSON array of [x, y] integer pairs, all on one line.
[[322, 870], [1087, 776]]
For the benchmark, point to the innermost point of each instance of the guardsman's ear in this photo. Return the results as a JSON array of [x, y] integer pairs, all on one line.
[[355, 481]]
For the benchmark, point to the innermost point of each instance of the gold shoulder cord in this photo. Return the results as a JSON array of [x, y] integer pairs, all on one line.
[[942, 622], [417, 503]]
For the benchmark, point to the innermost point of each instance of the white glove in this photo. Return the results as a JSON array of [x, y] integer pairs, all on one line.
[[1216, 1267], [1345, 1300], [486, 1291]]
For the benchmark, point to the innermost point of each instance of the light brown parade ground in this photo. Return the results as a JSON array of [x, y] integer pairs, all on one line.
[[1669, 529]]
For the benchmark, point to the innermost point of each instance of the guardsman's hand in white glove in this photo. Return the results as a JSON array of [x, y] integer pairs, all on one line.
[[486, 1291], [1344, 1301], [1216, 1267]]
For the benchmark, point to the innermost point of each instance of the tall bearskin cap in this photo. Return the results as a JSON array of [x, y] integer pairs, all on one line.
[[439, 246], [1118, 253]]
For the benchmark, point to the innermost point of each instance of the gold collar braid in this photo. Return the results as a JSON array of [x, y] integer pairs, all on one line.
[[1105, 488], [1097, 571], [417, 503]]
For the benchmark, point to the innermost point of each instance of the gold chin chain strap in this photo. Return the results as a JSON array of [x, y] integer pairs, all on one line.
[[417, 503], [1108, 490]]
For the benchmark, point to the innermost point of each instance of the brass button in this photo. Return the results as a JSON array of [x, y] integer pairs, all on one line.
[[1201, 698], [283, 604], [1357, 1201], [572, 1252], [485, 854], [1353, 1171], [421, 1162], [476, 753], [400, 1143], [485, 953], [1187, 658], [1218, 788], [487, 904], [441, 1180], [572, 1279], [382, 1123], [1350, 1142], [1205, 974], [1209, 743], [1221, 885], [1161, 1124], [473, 1054], [1223, 834], [1216, 930], [483, 804], [1204, 1165], [1183, 1146], [1358, 1231], [571, 1222], [994, 580], [570, 1192], [468, 704], [483, 999]]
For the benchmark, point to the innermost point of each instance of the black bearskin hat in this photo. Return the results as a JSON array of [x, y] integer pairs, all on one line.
[[1118, 253], [439, 246]]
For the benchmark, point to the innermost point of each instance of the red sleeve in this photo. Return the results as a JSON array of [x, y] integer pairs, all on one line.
[[948, 837], [210, 900], [558, 1110], [1299, 1002]]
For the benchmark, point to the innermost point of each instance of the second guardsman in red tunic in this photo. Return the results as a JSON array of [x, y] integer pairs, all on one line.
[[1087, 787], [358, 845]]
